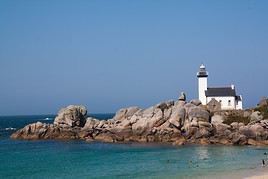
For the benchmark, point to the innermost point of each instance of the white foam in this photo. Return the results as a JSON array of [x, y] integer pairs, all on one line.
[[47, 119], [10, 129]]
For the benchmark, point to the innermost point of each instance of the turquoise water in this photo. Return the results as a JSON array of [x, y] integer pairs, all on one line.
[[79, 159]]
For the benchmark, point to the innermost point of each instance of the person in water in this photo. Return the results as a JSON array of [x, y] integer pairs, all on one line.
[[263, 162]]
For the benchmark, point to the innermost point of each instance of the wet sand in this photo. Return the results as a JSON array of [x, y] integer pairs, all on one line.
[[259, 176]]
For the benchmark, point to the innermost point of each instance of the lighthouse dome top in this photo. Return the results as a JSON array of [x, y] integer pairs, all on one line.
[[202, 71], [202, 66]]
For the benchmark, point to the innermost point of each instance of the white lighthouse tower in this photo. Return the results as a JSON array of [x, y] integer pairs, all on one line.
[[202, 76]]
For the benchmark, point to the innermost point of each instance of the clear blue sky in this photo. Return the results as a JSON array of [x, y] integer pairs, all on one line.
[[112, 54]]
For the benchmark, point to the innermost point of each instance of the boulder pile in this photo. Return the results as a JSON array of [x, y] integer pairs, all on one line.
[[177, 122]]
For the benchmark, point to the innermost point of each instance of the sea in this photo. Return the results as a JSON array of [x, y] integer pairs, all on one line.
[[76, 159]]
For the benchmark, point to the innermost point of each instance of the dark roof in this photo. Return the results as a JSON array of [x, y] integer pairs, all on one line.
[[223, 91], [238, 98], [202, 74]]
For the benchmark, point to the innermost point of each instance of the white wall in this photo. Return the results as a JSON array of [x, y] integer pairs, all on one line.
[[239, 105], [202, 87], [225, 104]]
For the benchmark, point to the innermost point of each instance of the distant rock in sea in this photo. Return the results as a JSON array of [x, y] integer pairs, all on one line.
[[176, 122]]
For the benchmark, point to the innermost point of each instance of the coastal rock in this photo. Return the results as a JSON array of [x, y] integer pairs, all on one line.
[[31, 131], [182, 97], [71, 116], [264, 123], [204, 124], [257, 131], [102, 124], [165, 105], [105, 137], [177, 118], [91, 123], [180, 141], [179, 104], [245, 131], [40, 130], [144, 124], [238, 139], [202, 132], [124, 113], [223, 141], [204, 141], [257, 143], [199, 113], [196, 102], [188, 106], [175, 122], [235, 125], [217, 119], [255, 117]]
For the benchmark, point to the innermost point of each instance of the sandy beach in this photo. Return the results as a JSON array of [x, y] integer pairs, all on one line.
[[261, 173], [261, 176]]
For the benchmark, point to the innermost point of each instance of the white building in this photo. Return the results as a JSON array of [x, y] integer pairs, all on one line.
[[226, 96]]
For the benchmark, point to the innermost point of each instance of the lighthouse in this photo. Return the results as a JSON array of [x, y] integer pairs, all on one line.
[[218, 98], [202, 76]]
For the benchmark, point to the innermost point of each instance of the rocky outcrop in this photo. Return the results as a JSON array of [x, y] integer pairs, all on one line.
[[71, 116], [124, 113], [45, 131], [256, 117], [176, 122], [196, 102], [182, 97]]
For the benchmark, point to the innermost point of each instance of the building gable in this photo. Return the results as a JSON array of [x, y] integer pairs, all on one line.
[[214, 105]]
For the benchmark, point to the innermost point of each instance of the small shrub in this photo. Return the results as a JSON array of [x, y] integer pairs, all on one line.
[[236, 118], [264, 110]]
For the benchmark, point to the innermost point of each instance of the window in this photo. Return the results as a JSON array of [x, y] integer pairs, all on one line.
[[229, 102]]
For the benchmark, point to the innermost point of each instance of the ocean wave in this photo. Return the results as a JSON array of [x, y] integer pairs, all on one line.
[[8, 129], [47, 119]]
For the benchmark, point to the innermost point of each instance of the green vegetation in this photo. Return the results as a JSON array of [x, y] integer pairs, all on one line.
[[263, 109], [236, 118]]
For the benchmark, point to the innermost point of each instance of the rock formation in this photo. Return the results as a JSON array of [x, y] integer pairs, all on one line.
[[71, 116], [176, 122], [182, 97]]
